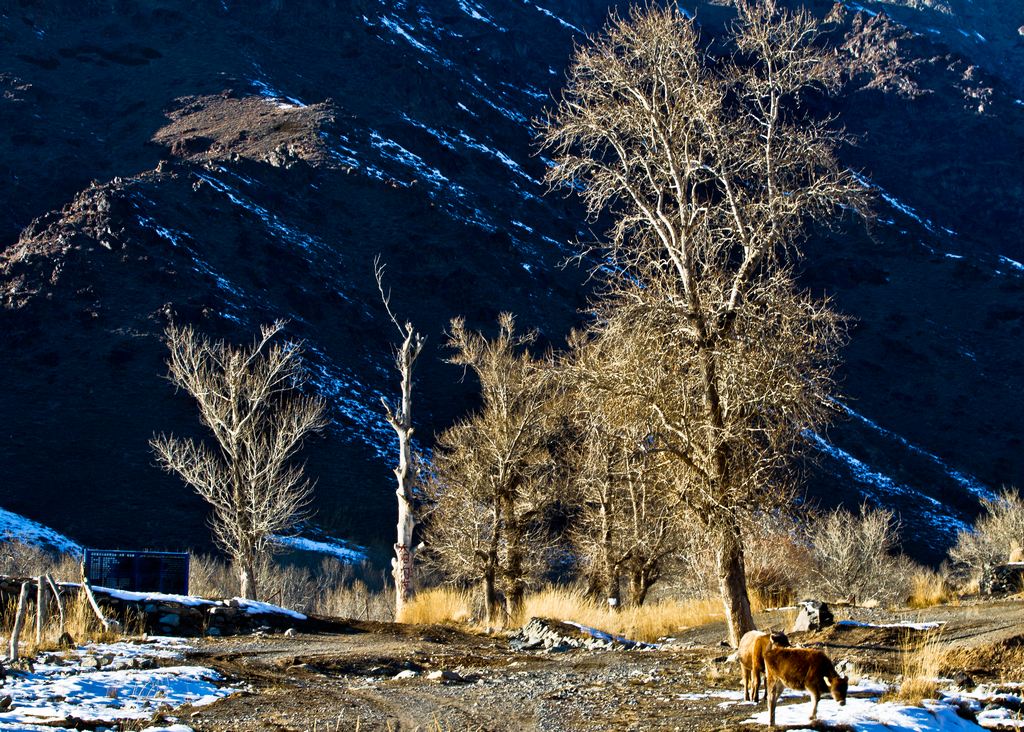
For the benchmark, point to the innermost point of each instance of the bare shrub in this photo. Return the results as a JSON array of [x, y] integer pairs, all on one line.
[[778, 560], [996, 535], [332, 587], [853, 557], [18, 559], [209, 576], [357, 601]]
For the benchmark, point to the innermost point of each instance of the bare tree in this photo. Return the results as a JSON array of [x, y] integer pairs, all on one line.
[[248, 398], [711, 171], [491, 471], [400, 419], [628, 518]]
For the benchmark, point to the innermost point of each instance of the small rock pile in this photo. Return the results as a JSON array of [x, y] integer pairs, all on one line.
[[554, 636]]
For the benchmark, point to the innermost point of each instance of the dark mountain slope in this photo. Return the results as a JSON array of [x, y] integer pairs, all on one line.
[[257, 157]]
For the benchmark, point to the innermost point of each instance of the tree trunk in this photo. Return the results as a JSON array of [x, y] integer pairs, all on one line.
[[247, 576], [514, 571], [610, 568], [732, 583], [639, 586], [732, 575], [490, 597]]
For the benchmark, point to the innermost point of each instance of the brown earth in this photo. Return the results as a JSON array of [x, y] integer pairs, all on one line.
[[347, 682]]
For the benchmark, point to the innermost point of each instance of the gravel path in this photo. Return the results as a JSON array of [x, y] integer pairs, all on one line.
[[348, 682]]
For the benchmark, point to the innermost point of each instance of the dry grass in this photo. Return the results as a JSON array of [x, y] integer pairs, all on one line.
[[438, 606], [80, 622], [922, 660], [654, 620], [928, 588], [357, 601], [648, 622]]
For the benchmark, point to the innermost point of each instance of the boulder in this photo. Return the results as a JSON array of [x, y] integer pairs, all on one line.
[[814, 615]]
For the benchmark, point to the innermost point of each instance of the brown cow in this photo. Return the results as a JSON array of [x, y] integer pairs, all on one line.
[[803, 669], [751, 658]]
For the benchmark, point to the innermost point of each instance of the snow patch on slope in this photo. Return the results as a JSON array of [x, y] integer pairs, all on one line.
[[14, 527], [880, 487], [968, 482], [348, 553]]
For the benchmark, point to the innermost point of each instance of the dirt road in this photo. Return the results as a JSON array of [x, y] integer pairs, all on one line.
[[349, 681]]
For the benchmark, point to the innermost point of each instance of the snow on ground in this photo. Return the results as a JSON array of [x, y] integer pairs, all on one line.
[[18, 528], [969, 482], [879, 487], [869, 715], [992, 704], [252, 607], [335, 547], [130, 687], [601, 635], [187, 600]]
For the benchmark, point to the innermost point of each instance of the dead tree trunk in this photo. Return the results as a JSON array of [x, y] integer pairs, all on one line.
[[19, 621], [490, 597], [401, 422]]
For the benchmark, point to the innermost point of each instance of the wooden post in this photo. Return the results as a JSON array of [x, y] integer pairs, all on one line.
[[107, 624], [41, 608], [19, 620], [60, 603]]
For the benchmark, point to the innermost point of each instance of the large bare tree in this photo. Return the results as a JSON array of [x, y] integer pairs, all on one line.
[[249, 400], [492, 470], [400, 419], [710, 170]]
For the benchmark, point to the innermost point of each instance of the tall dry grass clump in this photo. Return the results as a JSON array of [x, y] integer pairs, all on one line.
[[922, 660], [647, 622], [928, 588], [438, 606]]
